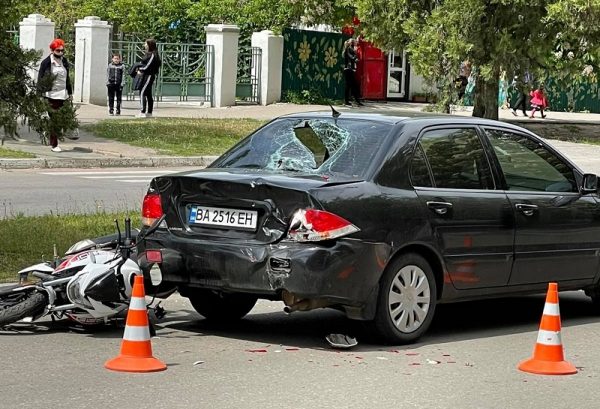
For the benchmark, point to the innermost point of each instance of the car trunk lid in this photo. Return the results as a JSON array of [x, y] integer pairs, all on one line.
[[237, 205]]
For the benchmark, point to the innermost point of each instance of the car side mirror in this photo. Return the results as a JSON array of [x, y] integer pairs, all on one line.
[[589, 184]]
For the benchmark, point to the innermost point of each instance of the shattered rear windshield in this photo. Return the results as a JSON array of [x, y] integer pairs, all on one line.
[[320, 146]]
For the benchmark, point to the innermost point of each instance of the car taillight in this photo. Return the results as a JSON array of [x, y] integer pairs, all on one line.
[[316, 225], [154, 256], [151, 209]]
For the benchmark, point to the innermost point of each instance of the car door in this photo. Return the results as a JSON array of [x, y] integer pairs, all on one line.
[[472, 222], [557, 229]]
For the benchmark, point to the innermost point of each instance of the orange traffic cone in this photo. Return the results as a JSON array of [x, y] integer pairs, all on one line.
[[548, 358], [136, 349]]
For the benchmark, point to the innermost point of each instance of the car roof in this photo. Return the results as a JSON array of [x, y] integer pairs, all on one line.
[[394, 117]]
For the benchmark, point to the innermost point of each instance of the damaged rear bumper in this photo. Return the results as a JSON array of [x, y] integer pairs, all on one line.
[[343, 272]]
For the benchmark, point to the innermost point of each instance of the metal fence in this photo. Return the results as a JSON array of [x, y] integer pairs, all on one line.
[[185, 74], [14, 34], [248, 74]]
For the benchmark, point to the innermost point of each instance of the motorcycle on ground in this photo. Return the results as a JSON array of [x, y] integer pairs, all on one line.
[[90, 285]]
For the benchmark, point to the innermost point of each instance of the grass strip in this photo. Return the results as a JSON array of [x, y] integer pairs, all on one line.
[[6, 153], [177, 136]]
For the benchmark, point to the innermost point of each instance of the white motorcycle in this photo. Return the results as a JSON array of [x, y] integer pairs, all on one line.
[[91, 285]]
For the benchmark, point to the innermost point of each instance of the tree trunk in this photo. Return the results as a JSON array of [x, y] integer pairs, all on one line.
[[486, 97]]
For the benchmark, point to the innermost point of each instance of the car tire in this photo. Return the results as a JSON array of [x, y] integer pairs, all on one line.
[[406, 301], [223, 307]]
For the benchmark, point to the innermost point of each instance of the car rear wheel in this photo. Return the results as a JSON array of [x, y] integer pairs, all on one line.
[[407, 300], [219, 306]]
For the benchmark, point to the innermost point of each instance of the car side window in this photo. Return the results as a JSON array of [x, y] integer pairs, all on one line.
[[419, 172], [528, 165], [456, 160]]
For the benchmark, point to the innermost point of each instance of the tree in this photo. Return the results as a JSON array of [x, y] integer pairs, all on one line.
[[19, 96], [495, 35]]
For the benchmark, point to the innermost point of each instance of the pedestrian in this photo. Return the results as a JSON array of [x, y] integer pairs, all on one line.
[[462, 80], [522, 87], [538, 101], [57, 67], [148, 70], [115, 80], [350, 62], [503, 91]]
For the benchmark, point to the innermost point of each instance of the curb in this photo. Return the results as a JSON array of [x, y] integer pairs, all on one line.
[[157, 161]]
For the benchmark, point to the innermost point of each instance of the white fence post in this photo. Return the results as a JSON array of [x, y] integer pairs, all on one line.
[[91, 59], [224, 39], [271, 65], [36, 32]]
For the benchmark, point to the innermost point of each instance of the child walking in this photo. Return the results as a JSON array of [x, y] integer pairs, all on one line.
[[115, 80], [538, 101]]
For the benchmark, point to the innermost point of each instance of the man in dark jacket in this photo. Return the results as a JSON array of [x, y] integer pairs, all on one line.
[[350, 61]]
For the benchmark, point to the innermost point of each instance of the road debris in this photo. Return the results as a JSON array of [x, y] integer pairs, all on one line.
[[341, 341]]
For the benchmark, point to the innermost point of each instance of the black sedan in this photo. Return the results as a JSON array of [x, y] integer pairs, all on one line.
[[382, 217]]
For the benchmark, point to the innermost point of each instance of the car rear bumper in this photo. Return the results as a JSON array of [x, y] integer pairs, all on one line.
[[343, 271]]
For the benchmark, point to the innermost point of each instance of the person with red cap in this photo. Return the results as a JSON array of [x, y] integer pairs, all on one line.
[[57, 66]]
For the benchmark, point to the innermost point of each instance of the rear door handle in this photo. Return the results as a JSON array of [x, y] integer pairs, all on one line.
[[526, 209], [440, 208]]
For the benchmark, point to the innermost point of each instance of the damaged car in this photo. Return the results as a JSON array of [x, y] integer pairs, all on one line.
[[382, 217]]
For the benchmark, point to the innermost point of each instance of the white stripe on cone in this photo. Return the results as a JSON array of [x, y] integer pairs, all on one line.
[[136, 333], [549, 337], [137, 303], [551, 309]]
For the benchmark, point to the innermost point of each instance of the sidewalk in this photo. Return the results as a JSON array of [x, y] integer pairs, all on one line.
[[91, 152]]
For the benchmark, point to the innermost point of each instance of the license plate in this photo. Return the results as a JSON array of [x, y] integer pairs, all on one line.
[[216, 216]]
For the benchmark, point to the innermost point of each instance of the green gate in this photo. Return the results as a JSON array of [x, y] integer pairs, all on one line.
[[313, 62], [248, 74], [184, 74], [578, 96]]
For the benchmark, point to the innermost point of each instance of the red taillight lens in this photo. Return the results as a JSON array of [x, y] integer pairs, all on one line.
[[151, 209], [316, 225], [154, 256]]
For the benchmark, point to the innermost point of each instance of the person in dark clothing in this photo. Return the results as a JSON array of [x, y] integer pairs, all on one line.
[[149, 67], [57, 66], [523, 86], [115, 80], [350, 61]]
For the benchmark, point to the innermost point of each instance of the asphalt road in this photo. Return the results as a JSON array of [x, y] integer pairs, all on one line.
[[467, 360], [32, 192]]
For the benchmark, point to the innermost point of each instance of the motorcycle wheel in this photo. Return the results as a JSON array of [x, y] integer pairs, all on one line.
[[19, 305]]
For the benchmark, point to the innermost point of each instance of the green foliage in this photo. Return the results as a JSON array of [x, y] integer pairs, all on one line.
[[309, 97], [184, 20], [62, 122], [495, 35], [185, 137], [19, 250]]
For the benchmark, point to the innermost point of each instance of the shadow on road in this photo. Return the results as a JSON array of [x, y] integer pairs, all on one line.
[[452, 322]]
